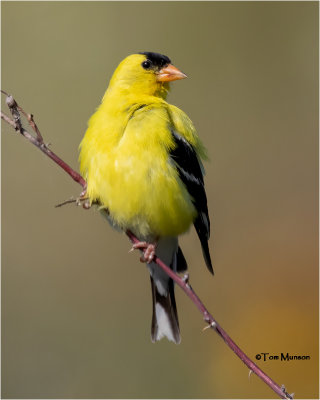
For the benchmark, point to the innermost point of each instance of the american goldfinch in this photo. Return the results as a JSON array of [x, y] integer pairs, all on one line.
[[141, 158]]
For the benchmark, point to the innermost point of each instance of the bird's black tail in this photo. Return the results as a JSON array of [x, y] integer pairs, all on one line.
[[165, 317]]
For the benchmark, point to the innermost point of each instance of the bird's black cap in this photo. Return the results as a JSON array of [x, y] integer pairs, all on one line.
[[157, 60]]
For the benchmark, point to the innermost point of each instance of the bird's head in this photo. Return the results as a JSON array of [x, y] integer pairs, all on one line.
[[145, 74]]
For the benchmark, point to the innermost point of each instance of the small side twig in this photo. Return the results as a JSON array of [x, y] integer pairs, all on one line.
[[182, 282], [32, 124]]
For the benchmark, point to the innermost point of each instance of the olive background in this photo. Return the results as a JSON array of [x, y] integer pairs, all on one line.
[[76, 306]]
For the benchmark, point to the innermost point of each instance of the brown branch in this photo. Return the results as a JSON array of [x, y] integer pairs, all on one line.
[[185, 286], [183, 282], [37, 140], [8, 120]]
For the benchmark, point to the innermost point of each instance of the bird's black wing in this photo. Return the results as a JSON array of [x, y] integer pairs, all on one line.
[[190, 173]]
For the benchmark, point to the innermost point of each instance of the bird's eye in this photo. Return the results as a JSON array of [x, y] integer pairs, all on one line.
[[146, 64]]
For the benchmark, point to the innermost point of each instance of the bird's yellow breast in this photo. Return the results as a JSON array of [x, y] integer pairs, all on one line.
[[125, 160]]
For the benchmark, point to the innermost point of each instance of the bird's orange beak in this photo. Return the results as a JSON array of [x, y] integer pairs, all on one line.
[[170, 73]]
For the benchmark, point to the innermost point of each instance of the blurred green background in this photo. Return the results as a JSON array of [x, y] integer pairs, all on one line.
[[76, 306]]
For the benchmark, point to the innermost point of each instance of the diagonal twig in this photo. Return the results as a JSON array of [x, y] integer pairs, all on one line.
[[182, 282], [212, 323], [37, 140]]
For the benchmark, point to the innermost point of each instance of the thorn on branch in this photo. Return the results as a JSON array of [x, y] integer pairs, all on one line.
[[206, 327], [186, 278], [287, 395], [211, 325], [206, 317]]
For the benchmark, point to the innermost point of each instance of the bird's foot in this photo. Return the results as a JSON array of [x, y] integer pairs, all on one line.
[[81, 200], [84, 199], [149, 251]]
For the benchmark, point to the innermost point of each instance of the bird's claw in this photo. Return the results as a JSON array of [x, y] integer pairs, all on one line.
[[83, 199], [86, 204], [149, 251]]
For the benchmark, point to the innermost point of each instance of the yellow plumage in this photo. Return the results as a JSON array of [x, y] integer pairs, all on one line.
[[141, 158], [124, 155]]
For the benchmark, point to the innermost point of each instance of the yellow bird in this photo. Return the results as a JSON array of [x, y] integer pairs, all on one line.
[[141, 158]]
